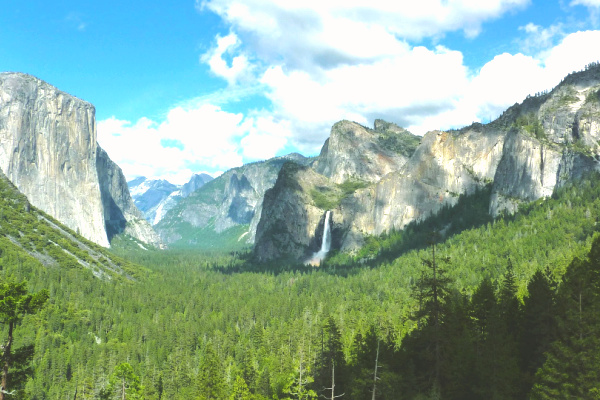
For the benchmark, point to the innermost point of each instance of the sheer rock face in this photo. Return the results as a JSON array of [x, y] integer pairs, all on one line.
[[525, 154], [291, 229], [120, 213], [354, 152], [48, 149], [232, 199], [532, 166], [443, 166]]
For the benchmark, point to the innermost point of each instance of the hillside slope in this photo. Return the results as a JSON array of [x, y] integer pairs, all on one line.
[[27, 233]]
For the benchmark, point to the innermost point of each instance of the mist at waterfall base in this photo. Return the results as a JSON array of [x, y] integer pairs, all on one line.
[[317, 257]]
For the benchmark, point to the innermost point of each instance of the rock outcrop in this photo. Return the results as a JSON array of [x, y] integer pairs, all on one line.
[[354, 152], [291, 229], [232, 200], [525, 154], [48, 149]]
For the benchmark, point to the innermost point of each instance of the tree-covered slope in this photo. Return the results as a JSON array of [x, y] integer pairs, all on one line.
[[33, 237], [195, 317]]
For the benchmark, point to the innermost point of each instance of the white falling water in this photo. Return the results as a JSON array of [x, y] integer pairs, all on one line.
[[325, 243]]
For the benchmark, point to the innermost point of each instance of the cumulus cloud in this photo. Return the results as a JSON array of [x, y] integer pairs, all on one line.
[[190, 140], [322, 34], [205, 137], [419, 88], [232, 72], [320, 62]]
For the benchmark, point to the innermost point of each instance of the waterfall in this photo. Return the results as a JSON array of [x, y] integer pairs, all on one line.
[[325, 243]]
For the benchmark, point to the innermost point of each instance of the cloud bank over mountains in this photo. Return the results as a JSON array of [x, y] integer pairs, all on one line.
[[319, 62]]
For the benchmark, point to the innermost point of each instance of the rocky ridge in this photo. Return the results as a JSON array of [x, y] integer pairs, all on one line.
[[48, 149], [231, 204], [154, 197], [531, 149]]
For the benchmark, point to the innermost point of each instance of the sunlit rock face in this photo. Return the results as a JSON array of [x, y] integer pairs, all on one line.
[[48, 149], [533, 148], [354, 152]]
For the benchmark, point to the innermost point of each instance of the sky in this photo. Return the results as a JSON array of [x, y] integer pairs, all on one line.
[[184, 86]]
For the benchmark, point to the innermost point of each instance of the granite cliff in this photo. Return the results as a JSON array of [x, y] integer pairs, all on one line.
[[48, 149], [531, 149], [226, 209]]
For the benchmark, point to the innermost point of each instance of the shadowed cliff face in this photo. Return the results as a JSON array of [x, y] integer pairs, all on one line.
[[232, 200], [120, 213], [48, 149], [530, 150]]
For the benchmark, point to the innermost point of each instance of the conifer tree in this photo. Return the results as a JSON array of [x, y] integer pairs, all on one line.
[[483, 303], [571, 366], [125, 384], [210, 384], [434, 289], [15, 303], [539, 326], [331, 374], [503, 340]]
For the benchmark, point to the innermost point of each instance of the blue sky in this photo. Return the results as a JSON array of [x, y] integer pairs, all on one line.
[[188, 86]]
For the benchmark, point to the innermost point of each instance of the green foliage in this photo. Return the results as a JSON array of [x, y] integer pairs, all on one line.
[[571, 367], [29, 232], [261, 321], [15, 304], [531, 125], [330, 197], [592, 97], [403, 143], [207, 239], [325, 198], [124, 384]]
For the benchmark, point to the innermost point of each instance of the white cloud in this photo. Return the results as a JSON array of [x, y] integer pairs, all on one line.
[[539, 40], [405, 88], [324, 61], [587, 3], [239, 66], [266, 137], [419, 88], [204, 137], [318, 34]]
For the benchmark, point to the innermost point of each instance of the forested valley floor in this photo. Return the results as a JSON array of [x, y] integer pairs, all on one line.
[[503, 309]]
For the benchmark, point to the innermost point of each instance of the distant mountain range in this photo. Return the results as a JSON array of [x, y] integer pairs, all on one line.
[[154, 197], [223, 213]]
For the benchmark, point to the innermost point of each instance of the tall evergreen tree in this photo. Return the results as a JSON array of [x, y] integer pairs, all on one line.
[[15, 303], [502, 341], [434, 289], [483, 303], [210, 383], [331, 372], [538, 327], [459, 361], [571, 367]]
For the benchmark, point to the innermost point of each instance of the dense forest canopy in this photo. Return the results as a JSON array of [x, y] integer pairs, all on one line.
[[181, 325]]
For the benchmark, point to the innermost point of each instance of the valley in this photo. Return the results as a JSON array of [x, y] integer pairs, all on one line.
[[461, 264]]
